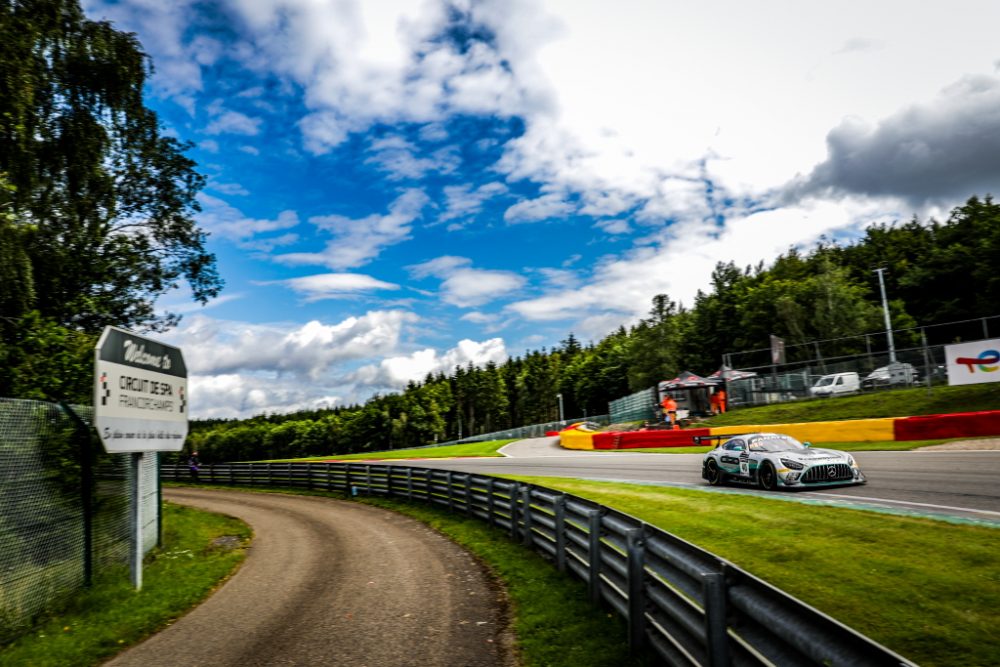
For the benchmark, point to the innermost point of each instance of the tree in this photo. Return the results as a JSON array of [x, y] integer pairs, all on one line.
[[104, 202]]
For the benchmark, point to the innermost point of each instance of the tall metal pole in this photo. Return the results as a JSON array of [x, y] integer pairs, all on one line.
[[885, 311], [559, 396]]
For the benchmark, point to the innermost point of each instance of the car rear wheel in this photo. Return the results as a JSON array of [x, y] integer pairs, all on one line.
[[767, 477], [714, 476]]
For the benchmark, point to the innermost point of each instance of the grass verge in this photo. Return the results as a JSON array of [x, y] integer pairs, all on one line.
[[926, 589], [869, 405], [489, 448], [111, 615]]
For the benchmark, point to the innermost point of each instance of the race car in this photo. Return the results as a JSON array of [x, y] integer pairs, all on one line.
[[775, 460]]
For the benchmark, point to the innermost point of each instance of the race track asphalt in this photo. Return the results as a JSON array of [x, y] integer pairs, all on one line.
[[329, 582], [949, 484]]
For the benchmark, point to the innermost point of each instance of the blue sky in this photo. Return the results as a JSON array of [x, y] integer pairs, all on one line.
[[399, 187]]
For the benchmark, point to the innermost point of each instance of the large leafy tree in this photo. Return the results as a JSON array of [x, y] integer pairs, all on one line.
[[104, 202]]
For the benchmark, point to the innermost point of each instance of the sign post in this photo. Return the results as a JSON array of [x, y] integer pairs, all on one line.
[[140, 408]]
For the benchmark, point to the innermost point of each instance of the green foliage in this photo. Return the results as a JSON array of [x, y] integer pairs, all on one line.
[[96, 206]]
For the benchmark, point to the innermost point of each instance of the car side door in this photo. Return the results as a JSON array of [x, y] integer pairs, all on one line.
[[733, 459]]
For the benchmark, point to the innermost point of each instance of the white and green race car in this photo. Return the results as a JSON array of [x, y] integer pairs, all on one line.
[[774, 460]]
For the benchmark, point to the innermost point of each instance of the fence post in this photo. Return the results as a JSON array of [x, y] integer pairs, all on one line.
[[409, 483], [713, 586], [561, 533], [515, 494], [635, 545], [368, 479], [529, 539], [490, 504], [347, 479], [447, 482], [329, 477], [594, 554], [85, 438], [427, 485], [468, 493]]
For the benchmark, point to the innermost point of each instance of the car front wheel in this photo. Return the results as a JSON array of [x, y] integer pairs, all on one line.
[[767, 477], [714, 476]]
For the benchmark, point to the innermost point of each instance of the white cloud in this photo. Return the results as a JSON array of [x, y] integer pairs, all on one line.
[[683, 258], [358, 241], [477, 317], [310, 350], [234, 122], [395, 372], [225, 221], [466, 201], [334, 285], [542, 208], [464, 286], [398, 157]]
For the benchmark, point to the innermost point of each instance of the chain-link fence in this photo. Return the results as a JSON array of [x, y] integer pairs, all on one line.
[[64, 509], [531, 431], [639, 406]]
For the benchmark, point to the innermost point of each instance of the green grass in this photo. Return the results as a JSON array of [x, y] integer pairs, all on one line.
[[926, 589], [894, 403], [488, 448], [103, 620]]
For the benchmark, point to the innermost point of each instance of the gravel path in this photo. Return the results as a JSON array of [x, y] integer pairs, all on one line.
[[977, 445], [329, 582]]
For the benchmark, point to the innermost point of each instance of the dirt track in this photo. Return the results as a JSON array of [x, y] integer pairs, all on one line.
[[329, 582]]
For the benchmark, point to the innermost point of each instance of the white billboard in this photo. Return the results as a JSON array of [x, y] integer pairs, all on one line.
[[140, 394], [973, 363]]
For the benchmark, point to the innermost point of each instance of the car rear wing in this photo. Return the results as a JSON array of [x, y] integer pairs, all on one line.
[[714, 440]]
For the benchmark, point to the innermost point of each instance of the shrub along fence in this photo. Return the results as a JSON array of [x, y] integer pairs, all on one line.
[[65, 512], [687, 605]]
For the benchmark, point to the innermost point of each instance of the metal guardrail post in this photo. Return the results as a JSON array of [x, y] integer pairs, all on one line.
[[529, 539], [468, 493], [329, 476], [515, 495], [490, 503], [347, 479], [714, 594], [560, 512], [594, 554], [368, 479], [447, 483], [635, 546], [428, 477], [409, 483]]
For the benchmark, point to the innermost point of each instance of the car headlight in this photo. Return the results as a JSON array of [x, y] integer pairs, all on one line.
[[794, 465], [850, 461]]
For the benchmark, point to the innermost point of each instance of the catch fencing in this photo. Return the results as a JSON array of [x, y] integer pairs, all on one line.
[[64, 509], [684, 604], [520, 432], [640, 406]]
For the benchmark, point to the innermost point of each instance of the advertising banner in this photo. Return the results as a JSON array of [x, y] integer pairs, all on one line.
[[973, 363], [140, 394]]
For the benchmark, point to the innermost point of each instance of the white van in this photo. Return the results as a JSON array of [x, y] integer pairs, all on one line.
[[836, 383]]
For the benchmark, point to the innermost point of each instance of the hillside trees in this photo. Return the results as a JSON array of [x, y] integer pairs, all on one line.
[[100, 205]]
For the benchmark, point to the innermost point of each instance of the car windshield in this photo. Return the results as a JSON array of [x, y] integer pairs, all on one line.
[[824, 382], [773, 443]]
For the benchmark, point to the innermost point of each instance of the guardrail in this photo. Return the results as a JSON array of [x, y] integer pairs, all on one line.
[[690, 606], [530, 431]]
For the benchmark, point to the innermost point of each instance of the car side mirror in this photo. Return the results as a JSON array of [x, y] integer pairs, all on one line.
[[807, 444]]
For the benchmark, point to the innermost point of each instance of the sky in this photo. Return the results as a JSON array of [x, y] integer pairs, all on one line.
[[399, 187]]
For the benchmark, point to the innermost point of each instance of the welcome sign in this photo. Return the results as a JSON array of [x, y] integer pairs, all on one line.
[[973, 363], [140, 394]]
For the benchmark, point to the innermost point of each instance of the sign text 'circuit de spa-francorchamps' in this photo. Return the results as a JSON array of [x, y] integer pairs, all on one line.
[[140, 394]]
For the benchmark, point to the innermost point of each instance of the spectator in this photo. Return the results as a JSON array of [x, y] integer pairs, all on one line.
[[194, 463]]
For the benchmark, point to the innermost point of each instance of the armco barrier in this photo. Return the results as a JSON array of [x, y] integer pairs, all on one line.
[[853, 430], [686, 604], [959, 425], [654, 438]]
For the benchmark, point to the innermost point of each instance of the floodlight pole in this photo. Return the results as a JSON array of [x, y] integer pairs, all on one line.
[[559, 396], [885, 311]]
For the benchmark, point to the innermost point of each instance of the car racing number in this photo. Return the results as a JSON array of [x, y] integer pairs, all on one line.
[[745, 463]]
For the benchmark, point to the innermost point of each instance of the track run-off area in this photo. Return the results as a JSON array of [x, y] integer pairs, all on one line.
[[952, 485]]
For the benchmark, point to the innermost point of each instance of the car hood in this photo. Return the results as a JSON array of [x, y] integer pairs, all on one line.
[[811, 456]]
